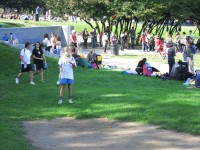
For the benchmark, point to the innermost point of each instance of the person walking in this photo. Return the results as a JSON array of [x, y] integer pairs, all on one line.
[[39, 60], [25, 63], [66, 64]]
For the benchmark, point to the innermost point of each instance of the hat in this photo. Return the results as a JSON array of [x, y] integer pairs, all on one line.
[[156, 36], [190, 31], [73, 31]]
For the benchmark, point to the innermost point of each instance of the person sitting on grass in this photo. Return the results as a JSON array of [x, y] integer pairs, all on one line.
[[139, 68], [5, 38], [66, 64]]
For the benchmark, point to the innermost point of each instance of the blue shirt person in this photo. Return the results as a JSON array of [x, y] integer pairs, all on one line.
[[5, 37]]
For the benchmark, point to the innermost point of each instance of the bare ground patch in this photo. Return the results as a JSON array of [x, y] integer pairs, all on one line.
[[103, 134]]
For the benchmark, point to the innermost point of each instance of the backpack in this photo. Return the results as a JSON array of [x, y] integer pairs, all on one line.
[[147, 69], [183, 71], [174, 71]]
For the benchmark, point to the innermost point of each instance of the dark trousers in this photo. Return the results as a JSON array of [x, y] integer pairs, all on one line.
[[171, 64], [37, 17], [132, 41], [85, 43]]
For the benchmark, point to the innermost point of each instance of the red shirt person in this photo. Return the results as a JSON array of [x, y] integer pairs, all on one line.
[[144, 42], [73, 38]]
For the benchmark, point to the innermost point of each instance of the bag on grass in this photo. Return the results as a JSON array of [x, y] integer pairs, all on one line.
[[147, 69]]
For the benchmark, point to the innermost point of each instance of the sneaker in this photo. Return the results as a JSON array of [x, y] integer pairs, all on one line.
[[42, 81], [32, 83], [17, 81], [60, 101], [70, 101]]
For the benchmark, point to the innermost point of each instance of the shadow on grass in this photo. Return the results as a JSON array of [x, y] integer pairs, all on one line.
[[11, 25], [96, 94]]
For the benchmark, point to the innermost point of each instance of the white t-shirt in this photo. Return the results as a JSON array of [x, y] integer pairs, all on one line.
[[47, 42], [58, 45], [26, 54], [104, 39], [192, 37], [148, 37], [67, 70]]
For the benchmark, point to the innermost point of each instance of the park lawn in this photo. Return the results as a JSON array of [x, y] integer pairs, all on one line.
[[7, 23], [96, 94], [80, 26]]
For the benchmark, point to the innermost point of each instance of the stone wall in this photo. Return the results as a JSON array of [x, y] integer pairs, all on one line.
[[36, 34]]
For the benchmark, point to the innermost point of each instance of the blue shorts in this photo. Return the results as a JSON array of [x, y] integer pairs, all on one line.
[[64, 81]]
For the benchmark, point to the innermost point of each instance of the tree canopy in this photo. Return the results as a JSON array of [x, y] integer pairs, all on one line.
[[121, 16]]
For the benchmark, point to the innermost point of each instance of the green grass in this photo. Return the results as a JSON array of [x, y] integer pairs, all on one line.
[[78, 26], [97, 94], [7, 23]]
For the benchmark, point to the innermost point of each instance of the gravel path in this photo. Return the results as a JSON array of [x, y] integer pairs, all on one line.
[[102, 134]]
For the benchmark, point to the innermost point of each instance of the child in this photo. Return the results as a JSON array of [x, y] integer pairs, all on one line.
[[66, 64]]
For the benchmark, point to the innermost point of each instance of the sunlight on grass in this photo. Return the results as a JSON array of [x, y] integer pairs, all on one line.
[[96, 94], [112, 95]]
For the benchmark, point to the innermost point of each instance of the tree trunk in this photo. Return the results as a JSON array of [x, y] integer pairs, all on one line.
[[88, 23]]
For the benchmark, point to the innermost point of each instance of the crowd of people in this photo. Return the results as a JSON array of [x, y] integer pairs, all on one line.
[[70, 57]]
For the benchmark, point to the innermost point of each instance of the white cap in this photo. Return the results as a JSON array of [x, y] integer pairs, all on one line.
[[73, 31]]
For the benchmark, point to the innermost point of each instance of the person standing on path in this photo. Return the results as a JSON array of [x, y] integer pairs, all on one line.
[[85, 37], [171, 53], [148, 37], [39, 60], [94, 39], [66, 64], [105, 41], [132, 35], [122, 40], [25, 63], [188, 54], [73, 38], [144, 42]]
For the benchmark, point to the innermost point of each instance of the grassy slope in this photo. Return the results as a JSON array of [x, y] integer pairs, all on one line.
[[96, 93]]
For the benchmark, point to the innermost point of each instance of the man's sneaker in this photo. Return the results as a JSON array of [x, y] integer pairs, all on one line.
[[70, 101], [17, 81], [42, 81], [60, 101], [32, 83]]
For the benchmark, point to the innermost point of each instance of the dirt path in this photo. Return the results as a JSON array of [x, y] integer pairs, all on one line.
[[102, 134]]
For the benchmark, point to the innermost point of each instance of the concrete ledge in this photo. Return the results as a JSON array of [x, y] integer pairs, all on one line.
[[36, 34]]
